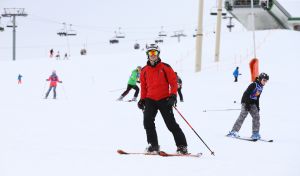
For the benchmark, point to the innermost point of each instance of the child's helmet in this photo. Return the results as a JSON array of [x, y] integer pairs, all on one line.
[[263, 76]]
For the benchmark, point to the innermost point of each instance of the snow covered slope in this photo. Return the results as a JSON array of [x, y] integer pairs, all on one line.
[[79, 133]]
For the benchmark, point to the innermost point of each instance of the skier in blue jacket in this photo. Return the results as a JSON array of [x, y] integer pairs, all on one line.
[[236, 74]]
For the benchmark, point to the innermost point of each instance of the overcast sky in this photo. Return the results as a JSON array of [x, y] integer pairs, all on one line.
[[96, 20]]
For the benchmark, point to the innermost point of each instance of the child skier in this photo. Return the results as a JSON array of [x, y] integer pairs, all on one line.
[[236, 74], [53, 78], [179, 83], [20, 79], [133, 79], [250, 104]]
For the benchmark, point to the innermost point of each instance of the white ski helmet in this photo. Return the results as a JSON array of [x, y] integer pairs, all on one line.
[[152, 47]]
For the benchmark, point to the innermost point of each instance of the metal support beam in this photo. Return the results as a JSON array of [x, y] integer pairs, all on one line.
[[199, 37], [218, 31], [14, 12]]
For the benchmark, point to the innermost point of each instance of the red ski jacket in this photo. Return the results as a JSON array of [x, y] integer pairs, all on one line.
[[53, 80], [158, 82]]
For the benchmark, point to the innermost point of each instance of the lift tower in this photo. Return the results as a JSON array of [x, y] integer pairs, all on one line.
[[13, 13]]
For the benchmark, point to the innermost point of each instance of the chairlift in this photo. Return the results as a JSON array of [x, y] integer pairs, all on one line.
[[230, 25], [178, 34], [214, 11], [1, 27], [162, 33], [113, 41], [195, 34], [119, 34], [159, 41], [136, 46], [62, 32], [83, 51], [71, 32], [10, 24]]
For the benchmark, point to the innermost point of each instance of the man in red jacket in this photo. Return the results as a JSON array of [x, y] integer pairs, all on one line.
[[158, 92]]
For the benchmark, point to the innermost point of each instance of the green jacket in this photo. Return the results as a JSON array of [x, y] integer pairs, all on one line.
[[133, 77]]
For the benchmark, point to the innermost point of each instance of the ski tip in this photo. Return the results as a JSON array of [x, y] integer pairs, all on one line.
[[121, 152], [162, 153]]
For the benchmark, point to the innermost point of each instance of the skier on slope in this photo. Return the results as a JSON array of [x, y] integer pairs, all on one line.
[[250, 104], [20, 79], [156, 78], [133, 79], [236, 74], [179, 85], [53, 78]]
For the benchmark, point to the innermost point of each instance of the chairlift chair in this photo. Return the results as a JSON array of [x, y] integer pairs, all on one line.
[[10, 24], [71, 32], [119, 34], [162, 34], [62, 33], [159, 41], [83, 51], [1, 27], [113, 41], [214, 11], [136, 46]]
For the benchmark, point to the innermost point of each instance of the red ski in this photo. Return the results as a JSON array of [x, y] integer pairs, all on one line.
[[122, 152], [164, 154], [161, 153]]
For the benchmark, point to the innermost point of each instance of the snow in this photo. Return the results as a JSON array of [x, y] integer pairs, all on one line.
[[79, 132]]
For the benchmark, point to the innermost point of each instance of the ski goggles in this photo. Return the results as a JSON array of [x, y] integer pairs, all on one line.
[[153, 53]]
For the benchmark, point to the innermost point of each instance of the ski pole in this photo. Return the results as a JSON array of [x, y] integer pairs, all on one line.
[[205, 110], [212, 153], [115, 90]]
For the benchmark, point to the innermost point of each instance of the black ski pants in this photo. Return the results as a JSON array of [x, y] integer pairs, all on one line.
[[150, 112], [129, 87]]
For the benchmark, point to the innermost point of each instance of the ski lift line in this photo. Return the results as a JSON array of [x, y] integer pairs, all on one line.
[[104, 28]]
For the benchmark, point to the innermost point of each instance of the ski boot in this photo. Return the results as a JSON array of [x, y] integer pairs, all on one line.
[[255, 135], [152, 149], [233, 134], [182, 150]]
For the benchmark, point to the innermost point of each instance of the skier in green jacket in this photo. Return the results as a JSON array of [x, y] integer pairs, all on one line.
[[133, 79]]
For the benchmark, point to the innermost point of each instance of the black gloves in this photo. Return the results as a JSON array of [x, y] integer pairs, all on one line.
[[172, 101], [141, 104]]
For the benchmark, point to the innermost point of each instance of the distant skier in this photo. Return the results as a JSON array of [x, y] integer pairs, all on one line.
[[236, 74], [20, 79], [51, 53], [53, 78], [179, 83], [158, 92], [133, 79], [250, 104], [57, 55], [66, 56]]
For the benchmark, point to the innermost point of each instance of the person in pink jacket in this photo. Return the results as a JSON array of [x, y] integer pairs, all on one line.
[[53, 78]]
